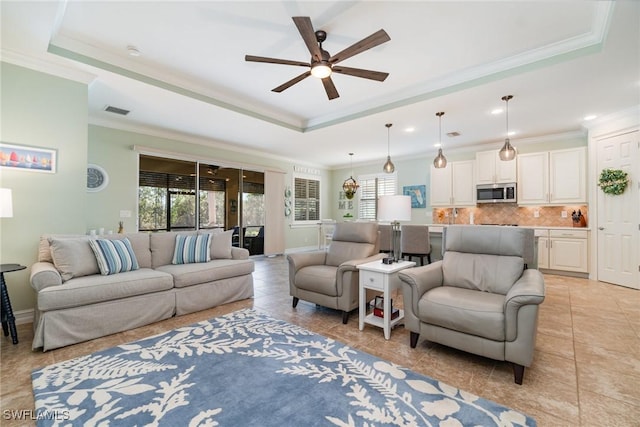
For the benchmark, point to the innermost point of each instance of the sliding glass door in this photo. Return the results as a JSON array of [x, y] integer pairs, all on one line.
[[182, 195]]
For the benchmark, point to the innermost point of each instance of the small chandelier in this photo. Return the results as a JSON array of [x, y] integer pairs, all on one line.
[[350, 186], [440, 161], [388, 166], [507, 152]]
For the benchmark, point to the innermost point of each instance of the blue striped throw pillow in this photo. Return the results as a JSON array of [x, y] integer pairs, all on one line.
[[114, 256], [190, 249]]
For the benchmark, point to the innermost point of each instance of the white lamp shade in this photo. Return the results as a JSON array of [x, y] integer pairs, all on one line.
[[6, 204], [394, 208]]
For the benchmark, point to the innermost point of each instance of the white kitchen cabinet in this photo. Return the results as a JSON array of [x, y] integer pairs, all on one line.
[[543, 248], [552, 177], [491, 170], [568, 250], [453, 185], [563, 250]]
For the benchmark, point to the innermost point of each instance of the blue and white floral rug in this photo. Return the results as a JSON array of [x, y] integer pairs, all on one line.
[[248, 369]]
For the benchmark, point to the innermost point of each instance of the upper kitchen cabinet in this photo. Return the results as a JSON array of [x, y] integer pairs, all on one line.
[[453, 185], [491, 170], [553, 177]]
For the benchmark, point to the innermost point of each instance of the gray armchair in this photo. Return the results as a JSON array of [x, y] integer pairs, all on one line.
[[480, 298], [330, 278]]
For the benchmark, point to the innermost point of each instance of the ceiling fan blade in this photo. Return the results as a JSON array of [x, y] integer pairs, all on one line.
[[367, 43], [330, 88], [358, 72], [291, 82], [308, 35], [252, 58]]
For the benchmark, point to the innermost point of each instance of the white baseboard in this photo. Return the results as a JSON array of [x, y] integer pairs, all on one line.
[[23, 316]]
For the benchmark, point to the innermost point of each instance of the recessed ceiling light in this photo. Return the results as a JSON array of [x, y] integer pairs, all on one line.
[[410, 129], [589, 117], [133, 51], [497, 111]]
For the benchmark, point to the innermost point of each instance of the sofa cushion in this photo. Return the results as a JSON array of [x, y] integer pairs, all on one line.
[[162, 246], [114, 256], [194, 274], [192, 249], [318, 278], [81, 291], [490, 273], [73, 257], [220, 243], [139, 243], [44, 246], [464, 310]]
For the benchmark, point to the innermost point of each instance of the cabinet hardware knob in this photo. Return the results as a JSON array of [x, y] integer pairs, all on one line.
[[600, 228]]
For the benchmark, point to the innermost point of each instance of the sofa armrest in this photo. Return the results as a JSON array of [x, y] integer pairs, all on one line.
[[528, 290], [239, 253], [43, 275], [417, 281]]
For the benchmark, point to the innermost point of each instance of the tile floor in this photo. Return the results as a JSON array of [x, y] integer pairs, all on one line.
[[586, 370]]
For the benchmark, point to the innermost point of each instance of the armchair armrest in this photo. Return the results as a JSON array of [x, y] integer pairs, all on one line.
[[304, 259], [528, 290], [352, 264], [43, 275], [417, 281]]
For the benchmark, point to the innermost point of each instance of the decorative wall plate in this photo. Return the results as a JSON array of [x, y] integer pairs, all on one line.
[[97, 178]]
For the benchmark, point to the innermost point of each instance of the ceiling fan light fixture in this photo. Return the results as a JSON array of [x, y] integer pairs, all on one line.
[[440, 161], [321, 70], [507, 152]]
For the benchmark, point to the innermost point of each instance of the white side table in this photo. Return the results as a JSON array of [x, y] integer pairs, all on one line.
[[380, 277]]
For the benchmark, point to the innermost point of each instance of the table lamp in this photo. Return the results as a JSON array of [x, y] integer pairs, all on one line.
[[6, 204], [394, 209]]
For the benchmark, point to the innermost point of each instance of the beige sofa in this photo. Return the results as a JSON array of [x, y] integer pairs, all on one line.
[[76, 303]]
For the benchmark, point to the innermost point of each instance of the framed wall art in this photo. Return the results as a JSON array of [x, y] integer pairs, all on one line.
[[22, 157], [418, 195]]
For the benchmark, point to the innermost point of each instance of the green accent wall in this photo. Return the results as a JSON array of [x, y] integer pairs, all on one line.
[[43, 111]]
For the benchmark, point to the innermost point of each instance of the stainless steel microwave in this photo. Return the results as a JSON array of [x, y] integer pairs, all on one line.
[[496, 193]]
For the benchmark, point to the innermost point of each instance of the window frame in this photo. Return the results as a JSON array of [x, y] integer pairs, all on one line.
[[384, 184]]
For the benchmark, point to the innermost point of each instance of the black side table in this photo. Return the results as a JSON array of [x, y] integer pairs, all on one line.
[[8, 320]]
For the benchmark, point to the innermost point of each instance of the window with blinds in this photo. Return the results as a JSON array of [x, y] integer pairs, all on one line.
[[306, 199], [372, 187]]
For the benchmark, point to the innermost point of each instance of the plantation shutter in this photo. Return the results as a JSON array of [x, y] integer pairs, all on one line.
[[372, 187], [306, 199]]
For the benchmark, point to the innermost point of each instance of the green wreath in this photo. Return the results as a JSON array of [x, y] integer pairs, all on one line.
[[613, 181]]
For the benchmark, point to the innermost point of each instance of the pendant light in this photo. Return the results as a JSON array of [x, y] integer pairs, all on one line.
[[507, 152], [388, 166], [440, 161], [350, 186]]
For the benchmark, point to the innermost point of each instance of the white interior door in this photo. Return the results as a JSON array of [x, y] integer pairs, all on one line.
[[619, 216]]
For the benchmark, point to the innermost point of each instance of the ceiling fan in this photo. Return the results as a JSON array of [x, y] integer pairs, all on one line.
[[322, 64]]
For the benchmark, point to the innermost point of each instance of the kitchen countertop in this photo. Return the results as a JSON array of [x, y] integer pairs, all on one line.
[[437, 228]]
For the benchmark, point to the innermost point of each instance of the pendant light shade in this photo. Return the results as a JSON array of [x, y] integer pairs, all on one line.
[[350, 186], [440, 161], [507, 152], [388, 167]]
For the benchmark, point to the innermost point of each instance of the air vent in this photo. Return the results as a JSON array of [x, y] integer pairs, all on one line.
[[116, 110], [452, 134]]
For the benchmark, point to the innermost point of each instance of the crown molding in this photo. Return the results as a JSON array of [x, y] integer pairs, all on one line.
[[46, 66]]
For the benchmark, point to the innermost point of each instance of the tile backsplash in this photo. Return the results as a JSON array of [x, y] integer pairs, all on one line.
[[508, 213]]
